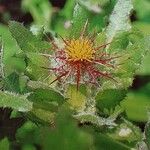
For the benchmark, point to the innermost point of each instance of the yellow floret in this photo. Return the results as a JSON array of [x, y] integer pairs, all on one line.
[[79, 50]]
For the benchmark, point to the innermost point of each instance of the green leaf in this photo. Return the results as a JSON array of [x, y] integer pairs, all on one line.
[[144, 68], [14, 101], [14, 64], [26, 40], [1, 59], [126, 132], [98, 121], [67, 10], [16, 83], [42, 116], [142, 146], [119, 19], [37, 68], [41, 11], [47, 99], [28, 147], [136, 53], [12, 83], [23, 83], [109, 101], [38, 60], [128, 63], [136, 106], [94, 6], [95, 12], [27, 133], [9, 49], [38, 84], [4, 144], [46, 103], [103, 142], [66, 133], [9, 46], [123, 40], [142, 10], [142, 26], [80, 16], [147, 134], [76, 97], [39, 73]]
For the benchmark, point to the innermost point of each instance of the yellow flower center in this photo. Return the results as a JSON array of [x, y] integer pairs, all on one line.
[[79, 50]]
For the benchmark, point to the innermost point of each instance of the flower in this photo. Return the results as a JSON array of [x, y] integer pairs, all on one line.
[[81, 61]]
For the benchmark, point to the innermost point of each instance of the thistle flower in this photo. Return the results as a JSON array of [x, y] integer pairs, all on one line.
[[80, 60]]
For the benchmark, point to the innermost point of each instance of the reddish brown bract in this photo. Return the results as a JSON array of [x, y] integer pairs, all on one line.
[[80, 61]]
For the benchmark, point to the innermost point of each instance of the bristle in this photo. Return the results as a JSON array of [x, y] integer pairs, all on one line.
[[101, 46], [78, 75], [65, 41], [84, 29], [59, 77]]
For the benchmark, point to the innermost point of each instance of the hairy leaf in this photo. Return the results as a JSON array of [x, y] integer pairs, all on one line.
[[14, 101], [38, 60], [80, 16], [1, 59], [47, 99], [119, 19], [127, 133], [127, 63], [26, 40]]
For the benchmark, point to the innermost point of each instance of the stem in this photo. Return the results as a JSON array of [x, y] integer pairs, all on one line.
[[94, 119], [91, 103]]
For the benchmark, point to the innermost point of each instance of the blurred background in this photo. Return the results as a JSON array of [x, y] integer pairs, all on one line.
[[14, 9]]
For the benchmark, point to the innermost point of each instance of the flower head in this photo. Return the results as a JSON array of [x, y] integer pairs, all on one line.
[[81, 61], [79, 50]]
